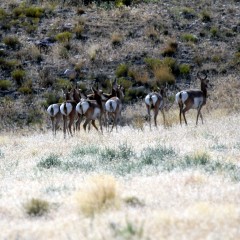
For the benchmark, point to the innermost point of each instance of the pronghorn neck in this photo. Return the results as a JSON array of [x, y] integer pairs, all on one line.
[[204, 89], [76, 95]]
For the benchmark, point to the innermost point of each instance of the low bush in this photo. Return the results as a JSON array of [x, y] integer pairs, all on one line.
[[5, 84], [36, 207]]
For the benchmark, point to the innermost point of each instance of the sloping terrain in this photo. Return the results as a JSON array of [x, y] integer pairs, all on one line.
[[40, 40]]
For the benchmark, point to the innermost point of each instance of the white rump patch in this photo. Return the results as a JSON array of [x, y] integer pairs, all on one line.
[[184, 96], [111, 105], [82, 107], [68, 107], [53, 109], [154, 98]]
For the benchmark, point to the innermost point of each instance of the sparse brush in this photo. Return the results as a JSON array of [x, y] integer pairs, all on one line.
[[101, 193], [205, 16], [5, 84], [116, 39], [78, 30], [152, 33], [170, 49], [12, 42], [188, 37], [163, 75], [18, 75], [62, 84], [133, 201], [122, 70], [64, 37], [184, 69], [36, 207], [92, 51], [50, 162]]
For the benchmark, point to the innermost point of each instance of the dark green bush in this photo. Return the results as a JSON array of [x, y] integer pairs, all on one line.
[[5, 84], [36, 207]]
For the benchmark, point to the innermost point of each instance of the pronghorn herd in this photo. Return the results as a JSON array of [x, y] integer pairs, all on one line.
[[107, 107]]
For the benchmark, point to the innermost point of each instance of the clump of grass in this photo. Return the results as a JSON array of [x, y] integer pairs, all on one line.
[[122, 70], [205, 16], [36, 207], [52, 161], [5, 84], [188, 37], [214, 31], [80, 151], [170, 49], [197, 159], [12, 42], [34, 12], [152, 33], [133, 201], [62, 84], [78, 30], [123, 152], [129, 231], [116, 39], [156, 155], [153, 63], [64, 37], [18, 75], [184, 69], [100, 194], [164, 75]]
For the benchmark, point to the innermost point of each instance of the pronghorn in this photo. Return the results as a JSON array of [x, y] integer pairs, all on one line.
[[154, 100], [113, 105], [55, 113], [68, 110], [193, 99], [91, 109]]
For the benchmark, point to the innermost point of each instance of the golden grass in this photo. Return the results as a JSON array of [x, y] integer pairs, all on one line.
[[101, 193]]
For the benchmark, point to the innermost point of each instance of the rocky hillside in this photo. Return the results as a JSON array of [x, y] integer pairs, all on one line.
[[146, 43]]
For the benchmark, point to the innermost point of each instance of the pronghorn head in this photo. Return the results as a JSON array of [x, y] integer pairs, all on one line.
[[204, 81], [67, 94]]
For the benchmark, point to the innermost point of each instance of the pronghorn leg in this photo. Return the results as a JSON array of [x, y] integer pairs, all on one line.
[[199, 113], [149, 115], [64, 125], [86, 123], [201, 116], [52, 120], [94, 124], [57, 120], [184, 111], [78, 122], [114, 122], [180, 114], [164, 119], [155, 117]]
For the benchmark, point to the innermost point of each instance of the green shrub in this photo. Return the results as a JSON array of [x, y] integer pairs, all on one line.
[[205, 16], [11, 42], [184, 69], [18, 75], [3, 14], [64, 37], [124, 82], [188, 37], [5, 84], [36, 207], [122, 70], [214, 31], [62, 84], [51, 161], [153, 63], [25, 90], [34, 12]]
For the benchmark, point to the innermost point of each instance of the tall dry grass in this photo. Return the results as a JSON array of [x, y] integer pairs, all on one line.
[[187, 177]]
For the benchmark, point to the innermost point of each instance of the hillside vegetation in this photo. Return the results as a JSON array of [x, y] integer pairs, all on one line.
[[172, 182], [148, 43]]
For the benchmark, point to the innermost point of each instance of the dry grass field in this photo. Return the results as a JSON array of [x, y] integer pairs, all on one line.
[[137, 183], [177, 182]]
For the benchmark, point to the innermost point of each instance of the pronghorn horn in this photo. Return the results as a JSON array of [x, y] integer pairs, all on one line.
[[205, 76]]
